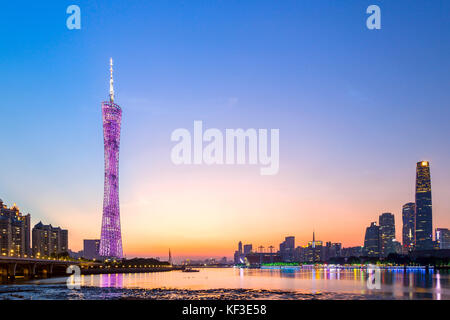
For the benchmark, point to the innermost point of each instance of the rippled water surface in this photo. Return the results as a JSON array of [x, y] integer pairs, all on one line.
[[234, 283]]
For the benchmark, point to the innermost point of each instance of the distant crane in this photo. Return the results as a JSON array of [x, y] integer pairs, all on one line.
[[271, 248], [261, 249]]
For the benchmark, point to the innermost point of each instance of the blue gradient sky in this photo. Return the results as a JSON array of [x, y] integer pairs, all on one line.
[[356, 109]]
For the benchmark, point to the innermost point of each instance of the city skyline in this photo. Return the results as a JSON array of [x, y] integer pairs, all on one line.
[[379, 239], [346, 101]]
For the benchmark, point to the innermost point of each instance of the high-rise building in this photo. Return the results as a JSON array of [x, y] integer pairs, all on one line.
[[111, 236], [424, 217], [372, 240], [238, 255], [409, 227], [248, 248], [314, 252], [300, 253], [14, 231], [387, 233], [331, 250], [49, 241], [287, 249], [290, 242], [64, 240], [91, 249], [442, 236]]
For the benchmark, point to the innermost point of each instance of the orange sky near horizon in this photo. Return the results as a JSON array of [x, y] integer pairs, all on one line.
[[204, 211]]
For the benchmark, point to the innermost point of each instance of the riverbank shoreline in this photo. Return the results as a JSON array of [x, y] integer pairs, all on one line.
[[60, 292]]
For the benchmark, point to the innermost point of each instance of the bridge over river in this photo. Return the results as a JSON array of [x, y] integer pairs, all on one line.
[[12, 267]]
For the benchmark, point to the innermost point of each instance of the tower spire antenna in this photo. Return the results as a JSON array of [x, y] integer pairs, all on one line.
[[111, 82]]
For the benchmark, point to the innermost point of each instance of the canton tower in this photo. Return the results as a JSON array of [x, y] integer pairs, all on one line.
[[111, 237]]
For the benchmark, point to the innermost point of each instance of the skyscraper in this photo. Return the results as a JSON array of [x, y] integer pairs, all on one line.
[[331, 250], [248, 248], [111, 237], [314, 252], [287, 248], [442, 236], [14, 231], [372, 240], [424, 218], [387, 233], [238, 255], [409, 226]]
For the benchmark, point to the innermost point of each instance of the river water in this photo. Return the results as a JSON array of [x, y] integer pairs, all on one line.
[[235, 283]]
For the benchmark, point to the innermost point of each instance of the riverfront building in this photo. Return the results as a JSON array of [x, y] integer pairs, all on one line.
[[387, 234], [49, 241], [314, 252], [372, 240], [287, 249], [409, 227], [442, 238], [14, 231]]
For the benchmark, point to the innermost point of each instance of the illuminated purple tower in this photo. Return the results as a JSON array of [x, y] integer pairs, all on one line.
[[111, 237]]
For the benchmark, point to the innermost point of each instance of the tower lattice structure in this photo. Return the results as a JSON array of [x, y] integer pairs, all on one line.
[[111, 236]]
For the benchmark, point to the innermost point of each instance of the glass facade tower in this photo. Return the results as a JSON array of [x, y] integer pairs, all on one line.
[[387, 233], [424, 217], [372, 240], [409, 227]]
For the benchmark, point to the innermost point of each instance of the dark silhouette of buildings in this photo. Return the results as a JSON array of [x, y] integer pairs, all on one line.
[[248, 248], [239, 255], [442, 236], [314, 250], [379, 240], [258, 258], [372, 240], [331, 250], [387, 234], [352, 252], [409, 227], [287, 249]]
